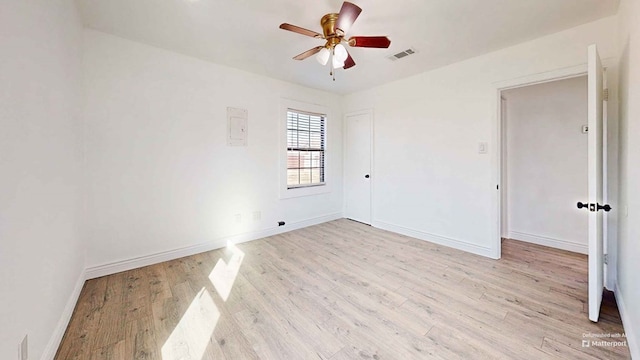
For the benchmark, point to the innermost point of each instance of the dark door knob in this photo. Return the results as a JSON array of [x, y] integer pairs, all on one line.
[[604, 207], [366, 176]]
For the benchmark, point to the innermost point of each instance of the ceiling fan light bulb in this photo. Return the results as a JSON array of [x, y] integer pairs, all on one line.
[[336, 62], [323, 56], [340, 52]]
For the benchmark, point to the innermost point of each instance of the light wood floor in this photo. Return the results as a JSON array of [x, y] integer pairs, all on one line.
[[343, 290]]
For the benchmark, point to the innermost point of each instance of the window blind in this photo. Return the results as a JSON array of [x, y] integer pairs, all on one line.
[[305, 148]]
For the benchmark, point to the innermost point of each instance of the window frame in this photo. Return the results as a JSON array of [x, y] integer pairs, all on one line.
[[310, 149], [287, 191]]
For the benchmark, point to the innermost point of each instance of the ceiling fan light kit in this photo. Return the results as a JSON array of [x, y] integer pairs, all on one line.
[[340, 53], [336, 63], [323, 56], [334, 28]]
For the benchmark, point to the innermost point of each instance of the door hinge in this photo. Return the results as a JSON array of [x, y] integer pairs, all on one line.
[[606, 259], [605, 95]]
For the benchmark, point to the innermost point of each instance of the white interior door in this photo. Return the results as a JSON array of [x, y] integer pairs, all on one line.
[[596, 257], [357, 167]]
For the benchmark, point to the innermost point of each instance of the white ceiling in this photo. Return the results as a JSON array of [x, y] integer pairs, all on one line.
[[244, 33]]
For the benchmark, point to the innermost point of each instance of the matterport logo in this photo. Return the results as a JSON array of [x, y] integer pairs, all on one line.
[[604, 339]]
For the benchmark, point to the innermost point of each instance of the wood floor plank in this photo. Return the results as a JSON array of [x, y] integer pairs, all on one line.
[[113, 351], [561, 351], [236, 346], [367, 334], [293, 319], [112, 314], [81, 327], [460, 345], [139, 339], [343, 290]]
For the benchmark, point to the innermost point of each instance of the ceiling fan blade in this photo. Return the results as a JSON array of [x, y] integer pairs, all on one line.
[[302, 31], [308, 53], [370, 41], [349, 63], [348, 15]]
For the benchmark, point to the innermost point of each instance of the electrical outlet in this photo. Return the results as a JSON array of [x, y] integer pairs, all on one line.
[[23, 351], [238, 218], [257, 215]]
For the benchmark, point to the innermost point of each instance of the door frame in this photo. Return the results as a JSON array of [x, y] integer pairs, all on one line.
[[504, 185], [534, 79], [499, 87], [369, 112]]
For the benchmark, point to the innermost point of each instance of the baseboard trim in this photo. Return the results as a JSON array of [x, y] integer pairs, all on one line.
[[632, 339], [133, 263], [550, 242], [56, 338], [436, 239]]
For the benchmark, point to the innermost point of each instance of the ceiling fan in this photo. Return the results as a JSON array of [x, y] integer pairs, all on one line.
[[334, 28]]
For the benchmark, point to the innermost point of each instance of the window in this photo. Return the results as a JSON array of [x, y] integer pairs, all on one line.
[[305, 149], [304, 166]]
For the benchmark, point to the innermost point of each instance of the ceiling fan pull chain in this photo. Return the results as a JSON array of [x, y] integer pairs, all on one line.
[[333, 71]]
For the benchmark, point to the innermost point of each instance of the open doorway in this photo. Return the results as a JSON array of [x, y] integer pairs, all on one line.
[[547, 168], [599, 176], [544, 163]]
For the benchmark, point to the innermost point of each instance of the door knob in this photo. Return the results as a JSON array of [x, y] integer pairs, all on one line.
[[366, 176], [604, 207]]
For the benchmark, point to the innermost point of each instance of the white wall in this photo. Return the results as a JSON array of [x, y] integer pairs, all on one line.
[[41, 246], [427, 129], [546, 155], [161, 177], [628, 212], [160, 174]]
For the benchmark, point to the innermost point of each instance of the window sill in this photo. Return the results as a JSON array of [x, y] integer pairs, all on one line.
[[305, 186], [300, 191]]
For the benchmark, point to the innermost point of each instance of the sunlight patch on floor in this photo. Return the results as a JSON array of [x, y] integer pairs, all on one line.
[[224, 274], [190, 338]]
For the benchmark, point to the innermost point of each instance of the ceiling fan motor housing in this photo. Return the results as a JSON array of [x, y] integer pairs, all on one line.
[[333, 35]]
